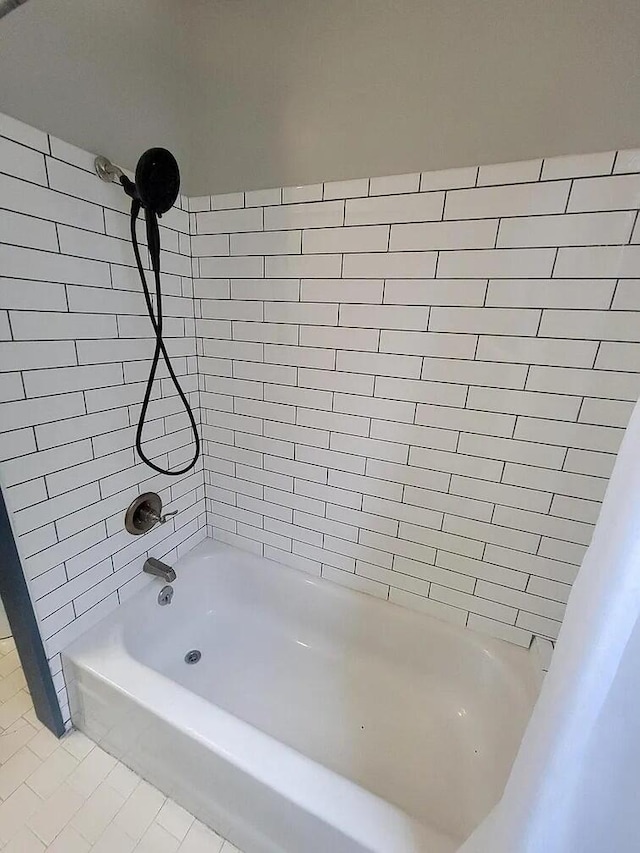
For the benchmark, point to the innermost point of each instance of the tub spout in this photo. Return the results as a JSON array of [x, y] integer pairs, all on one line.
[[159, 569]]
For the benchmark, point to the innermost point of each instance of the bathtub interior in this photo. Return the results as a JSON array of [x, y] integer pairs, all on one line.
[[418, 712]]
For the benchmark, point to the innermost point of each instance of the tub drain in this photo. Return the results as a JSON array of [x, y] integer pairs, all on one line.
[[193, 656]]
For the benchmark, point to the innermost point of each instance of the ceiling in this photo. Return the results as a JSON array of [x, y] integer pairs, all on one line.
[[256, 93]]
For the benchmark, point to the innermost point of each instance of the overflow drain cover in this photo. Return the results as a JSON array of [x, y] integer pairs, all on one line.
[[193, 656]]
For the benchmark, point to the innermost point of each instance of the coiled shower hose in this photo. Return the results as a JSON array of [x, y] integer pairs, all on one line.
[[153, 240]]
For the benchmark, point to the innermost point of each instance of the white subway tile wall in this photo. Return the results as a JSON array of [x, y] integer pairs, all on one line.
[[417, 384], [75, 349]]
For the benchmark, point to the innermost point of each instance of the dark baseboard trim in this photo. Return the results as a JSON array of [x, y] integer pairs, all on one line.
[[17, 603]]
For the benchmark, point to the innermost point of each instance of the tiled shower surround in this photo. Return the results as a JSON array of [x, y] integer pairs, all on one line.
[[414, 386]]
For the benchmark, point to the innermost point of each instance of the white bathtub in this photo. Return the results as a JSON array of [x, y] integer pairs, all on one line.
[[318, 720]]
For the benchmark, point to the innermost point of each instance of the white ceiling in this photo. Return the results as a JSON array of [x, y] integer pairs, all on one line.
[[268, 92]]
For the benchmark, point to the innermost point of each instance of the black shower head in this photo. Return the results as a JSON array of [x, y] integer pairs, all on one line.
[[157, 180]]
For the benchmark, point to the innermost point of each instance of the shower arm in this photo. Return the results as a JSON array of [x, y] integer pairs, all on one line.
[[108, 171], [112, 174]]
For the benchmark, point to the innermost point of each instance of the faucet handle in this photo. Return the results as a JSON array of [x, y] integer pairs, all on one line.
[[145, 512]]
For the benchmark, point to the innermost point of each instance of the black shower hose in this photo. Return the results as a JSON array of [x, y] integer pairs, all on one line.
[[153, 240]]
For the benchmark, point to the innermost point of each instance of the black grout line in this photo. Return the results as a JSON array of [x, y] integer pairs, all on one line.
[[633, 227]]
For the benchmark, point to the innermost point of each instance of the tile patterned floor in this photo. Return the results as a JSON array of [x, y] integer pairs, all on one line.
[[69, 796]]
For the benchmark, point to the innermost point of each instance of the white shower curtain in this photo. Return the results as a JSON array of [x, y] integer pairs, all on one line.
[[575, 784]]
